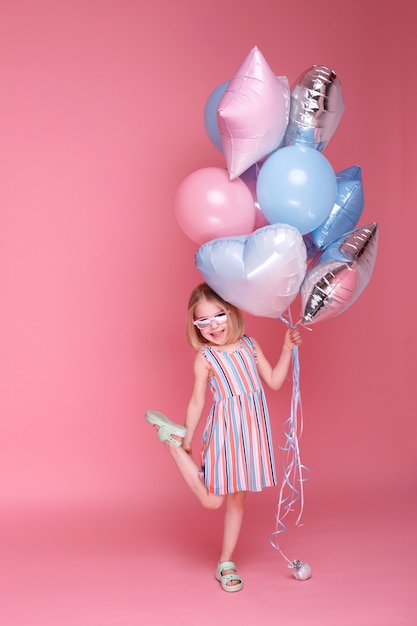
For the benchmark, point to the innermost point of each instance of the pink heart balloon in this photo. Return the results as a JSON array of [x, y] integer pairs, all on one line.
[[260, 273]]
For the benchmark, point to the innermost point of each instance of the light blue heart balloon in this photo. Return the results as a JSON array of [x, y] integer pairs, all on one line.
[[260, 273]]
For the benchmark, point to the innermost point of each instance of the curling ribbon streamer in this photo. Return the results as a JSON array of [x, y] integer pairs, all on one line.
[[291, 495]]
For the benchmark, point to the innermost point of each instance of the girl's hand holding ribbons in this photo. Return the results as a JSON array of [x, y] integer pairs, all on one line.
[[292, 338]]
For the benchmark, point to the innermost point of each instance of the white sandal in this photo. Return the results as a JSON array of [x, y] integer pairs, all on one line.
[[224, 579], [166, 427]]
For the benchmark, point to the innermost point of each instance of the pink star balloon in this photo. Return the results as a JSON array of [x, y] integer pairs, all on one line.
[[252, 114]]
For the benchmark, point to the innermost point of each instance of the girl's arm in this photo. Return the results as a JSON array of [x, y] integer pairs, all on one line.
[[197, 400], [275, 376]]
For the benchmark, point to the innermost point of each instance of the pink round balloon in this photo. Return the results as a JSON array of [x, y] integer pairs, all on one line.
[[252, 114], [209, 205]]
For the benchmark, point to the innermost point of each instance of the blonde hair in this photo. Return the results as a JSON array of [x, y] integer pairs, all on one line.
[[236, 325]]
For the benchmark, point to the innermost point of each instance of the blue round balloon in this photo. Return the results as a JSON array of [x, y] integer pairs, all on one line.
[[297, 186], [210, 115]]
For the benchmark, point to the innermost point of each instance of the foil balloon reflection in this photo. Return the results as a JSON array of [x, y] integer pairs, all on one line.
[[340, 275], [346, 210], [252, 114], [260, 273], [316, 108]]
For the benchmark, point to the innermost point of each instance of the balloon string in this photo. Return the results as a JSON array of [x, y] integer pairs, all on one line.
[[291, 494], [289, 323]]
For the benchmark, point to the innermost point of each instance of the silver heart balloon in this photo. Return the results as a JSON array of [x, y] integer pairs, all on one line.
[[260, 273]]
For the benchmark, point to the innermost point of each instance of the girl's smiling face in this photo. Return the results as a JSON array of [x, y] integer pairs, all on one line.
[[215, 333]]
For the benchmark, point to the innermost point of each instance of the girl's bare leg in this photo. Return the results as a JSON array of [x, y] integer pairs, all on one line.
[[235, 505], [191, 474]]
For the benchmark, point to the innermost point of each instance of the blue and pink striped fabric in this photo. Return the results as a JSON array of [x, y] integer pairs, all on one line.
[[237, 450]]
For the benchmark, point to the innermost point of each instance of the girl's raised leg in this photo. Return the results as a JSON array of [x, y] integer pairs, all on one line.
[[191, 474]]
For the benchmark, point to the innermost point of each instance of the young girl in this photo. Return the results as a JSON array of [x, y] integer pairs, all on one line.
[[237, 451]]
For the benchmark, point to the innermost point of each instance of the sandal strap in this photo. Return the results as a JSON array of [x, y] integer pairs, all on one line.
[[226, 565], [229, 577], [165, 434]]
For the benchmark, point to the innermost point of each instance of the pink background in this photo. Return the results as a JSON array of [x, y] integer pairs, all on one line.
[[101, 118]]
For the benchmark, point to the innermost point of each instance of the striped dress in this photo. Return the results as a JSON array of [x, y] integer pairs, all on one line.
[[237, 451]]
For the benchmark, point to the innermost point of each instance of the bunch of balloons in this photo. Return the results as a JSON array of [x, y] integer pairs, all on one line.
[[278, 221]]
